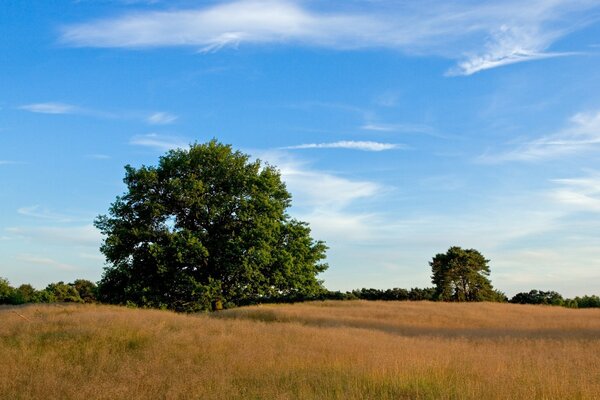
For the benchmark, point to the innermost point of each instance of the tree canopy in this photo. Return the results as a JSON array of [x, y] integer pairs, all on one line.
[[207, 224], [462, 275]]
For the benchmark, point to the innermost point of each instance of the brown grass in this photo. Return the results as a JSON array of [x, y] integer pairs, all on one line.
[[324, 350]]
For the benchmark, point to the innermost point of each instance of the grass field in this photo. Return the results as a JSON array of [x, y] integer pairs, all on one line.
[[323, 350]]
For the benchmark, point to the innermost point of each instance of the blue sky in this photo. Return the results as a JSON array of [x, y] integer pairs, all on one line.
[[401, 128]]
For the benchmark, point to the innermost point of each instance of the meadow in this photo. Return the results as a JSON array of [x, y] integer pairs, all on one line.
[[318, 350]]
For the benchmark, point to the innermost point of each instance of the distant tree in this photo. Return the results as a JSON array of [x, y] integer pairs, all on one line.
[[588, 301], [26, 294], [87, 290], [7, 292], [461, 275], [571, 303], [418, 294], [204, 227], [395, 294], [62, 292], [538, 297]]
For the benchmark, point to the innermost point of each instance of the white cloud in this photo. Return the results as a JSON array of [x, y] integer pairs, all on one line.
[[45, 261], [581, 135], [8, 162], [581, 194], [159, 142], [327, 201], [349, 144], [66, 109], [51, 108], [321, 190], [156, 118], [509, 45], [340, 226], [162, 118], [516, 31]]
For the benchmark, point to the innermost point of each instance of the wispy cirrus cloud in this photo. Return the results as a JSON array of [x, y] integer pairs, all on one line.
[[159, 142], [351, 145], [510, 45], [58, 108], [162, 118], [326, 200], [51, 108], [481, 35], [581, 135], [581, 194]]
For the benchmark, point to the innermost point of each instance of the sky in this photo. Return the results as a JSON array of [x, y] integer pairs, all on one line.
[[401, 128]]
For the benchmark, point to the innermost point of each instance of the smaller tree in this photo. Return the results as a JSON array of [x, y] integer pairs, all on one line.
[[462, 275]]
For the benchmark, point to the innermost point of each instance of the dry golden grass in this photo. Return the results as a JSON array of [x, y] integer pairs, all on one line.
[[328, 350]]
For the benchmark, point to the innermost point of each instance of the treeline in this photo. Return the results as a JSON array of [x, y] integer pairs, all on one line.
[[414, 294], [79, 291], [555, 299], [532, 297], [429, 294], [84, 291]]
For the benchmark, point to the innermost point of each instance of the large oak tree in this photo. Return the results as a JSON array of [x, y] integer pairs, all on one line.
[[207, 224]]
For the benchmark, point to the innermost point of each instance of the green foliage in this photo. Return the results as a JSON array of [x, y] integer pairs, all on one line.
[[587, 301], [87, 290], [7, 292], [26, 294], [462, 275], [62, 292], [418, 294], [205, 225], [539, 297], [398, 294]]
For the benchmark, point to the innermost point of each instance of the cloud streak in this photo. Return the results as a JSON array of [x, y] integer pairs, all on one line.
[[58, 108], [349, 144], [581, 194], [482, 35], [327, 201], [509, 45], [162, 118], [581, 135], [159, 142], [51, 108]]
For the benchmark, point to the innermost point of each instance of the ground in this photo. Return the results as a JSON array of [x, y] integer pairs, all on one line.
[[320, 350]]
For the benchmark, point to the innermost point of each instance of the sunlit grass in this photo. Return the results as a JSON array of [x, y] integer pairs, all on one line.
[[323, 350]]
